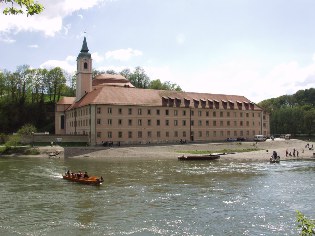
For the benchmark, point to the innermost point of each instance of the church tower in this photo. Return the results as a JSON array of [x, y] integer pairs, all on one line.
[[84, 72]]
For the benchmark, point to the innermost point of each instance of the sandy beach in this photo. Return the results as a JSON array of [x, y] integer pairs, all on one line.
[[160, 152]]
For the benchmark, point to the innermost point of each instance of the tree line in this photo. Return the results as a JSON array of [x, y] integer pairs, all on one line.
[[293, 114], [28, 95]]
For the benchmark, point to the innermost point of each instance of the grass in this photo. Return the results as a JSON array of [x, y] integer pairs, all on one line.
[[218, 151]]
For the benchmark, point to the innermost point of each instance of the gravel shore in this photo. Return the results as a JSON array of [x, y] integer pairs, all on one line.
[[160, 152]]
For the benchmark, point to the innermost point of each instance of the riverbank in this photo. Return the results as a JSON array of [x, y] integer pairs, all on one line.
[[160, 152]]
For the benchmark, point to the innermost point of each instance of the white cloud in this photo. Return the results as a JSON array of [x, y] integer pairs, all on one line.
[[4, 37], [69, 64], [123, 54], [49, 21], [33, 46], [96, 57]]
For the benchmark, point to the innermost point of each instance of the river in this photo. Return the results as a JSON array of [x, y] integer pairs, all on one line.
[[154, 197]]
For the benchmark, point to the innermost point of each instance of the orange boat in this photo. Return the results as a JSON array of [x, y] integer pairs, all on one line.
[[92, 180]]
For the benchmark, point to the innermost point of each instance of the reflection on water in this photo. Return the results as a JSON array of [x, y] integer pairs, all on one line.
[[154, 197]]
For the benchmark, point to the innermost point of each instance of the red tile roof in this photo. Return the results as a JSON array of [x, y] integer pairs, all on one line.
[[147, 97]]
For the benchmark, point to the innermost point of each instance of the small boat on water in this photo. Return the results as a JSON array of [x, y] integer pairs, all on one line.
[[199, 157], [92, 180]]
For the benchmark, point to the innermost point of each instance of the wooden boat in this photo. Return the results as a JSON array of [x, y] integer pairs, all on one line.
[[208, 157], [92, 180]]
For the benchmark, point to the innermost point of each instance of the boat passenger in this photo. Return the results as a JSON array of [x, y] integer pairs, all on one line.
[[68, 173], [85, 175]]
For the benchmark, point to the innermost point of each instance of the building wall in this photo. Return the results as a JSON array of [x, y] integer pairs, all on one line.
[[148, 124]]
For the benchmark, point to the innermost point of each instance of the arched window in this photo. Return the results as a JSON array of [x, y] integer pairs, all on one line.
[[85, 65]]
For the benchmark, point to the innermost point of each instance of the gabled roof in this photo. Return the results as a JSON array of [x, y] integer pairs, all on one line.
[[66, 101], [145, 97]]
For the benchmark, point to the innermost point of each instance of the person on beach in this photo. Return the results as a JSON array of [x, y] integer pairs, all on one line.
[[286, 152]]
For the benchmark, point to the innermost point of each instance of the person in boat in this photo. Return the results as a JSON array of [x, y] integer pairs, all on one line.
[[85, 175], [68, 173]]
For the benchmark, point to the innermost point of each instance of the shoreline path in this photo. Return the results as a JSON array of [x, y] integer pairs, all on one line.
[[169, 151]]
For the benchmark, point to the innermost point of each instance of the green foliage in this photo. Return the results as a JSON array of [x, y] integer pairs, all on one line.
[[294, 114], [13, 141], [27, 129], [306, 226], [16, 6]]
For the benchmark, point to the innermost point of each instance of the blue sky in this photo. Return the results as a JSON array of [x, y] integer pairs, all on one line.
[[256, 48]]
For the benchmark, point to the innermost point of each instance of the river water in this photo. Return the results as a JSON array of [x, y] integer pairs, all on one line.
[[154, 197]]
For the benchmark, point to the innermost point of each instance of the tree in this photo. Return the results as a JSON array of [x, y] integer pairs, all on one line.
[[139, 78], [157, 84], [27, 129], [16, 7]]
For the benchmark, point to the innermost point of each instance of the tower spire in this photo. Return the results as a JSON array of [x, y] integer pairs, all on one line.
[[84, 46]]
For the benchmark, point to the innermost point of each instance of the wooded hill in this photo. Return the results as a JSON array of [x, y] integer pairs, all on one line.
[[292, 114]]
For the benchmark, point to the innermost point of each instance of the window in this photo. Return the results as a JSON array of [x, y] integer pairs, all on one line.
[[214, 114], [119, 134], [184, 133], [149, 112], [221, 113], [139, 111], [129, 134], [214, 133], [167, 123], [184, 122], [176, 134], [228, 114], [221, 133], [192, 123], [221, 122], [192, 113], [109, 121], [207, 123], [247, 114], [139, 122], [214, 123], [175, 122], [85, 65], [241, 114], [139, 134], [157, 122], [235, 133], [199, 113], [98, 121], [199, 133], [166, 112], [207, 133], [62, 122], [129, 111], [158, 134], [109, 110], [184, 113], [129, 122], [120, 122], [119, 111], [149, 134], [99, 134], [228, 123], [199, 122], [247, 123], [167, 134], [158, 112], [207, 113], [175, 112], [109, 134], [149, 122], [241, 123], [98, 110]]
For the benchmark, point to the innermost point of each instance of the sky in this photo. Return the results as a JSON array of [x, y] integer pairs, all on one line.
[[260, 49]]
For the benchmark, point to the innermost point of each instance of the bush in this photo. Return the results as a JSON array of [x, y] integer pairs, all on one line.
[[306, 226], [27, 129]]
